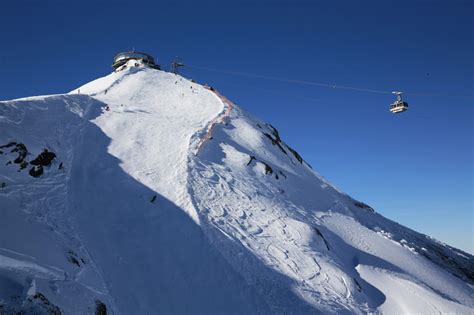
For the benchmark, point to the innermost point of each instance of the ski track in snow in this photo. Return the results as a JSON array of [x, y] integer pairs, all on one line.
[[173, 191], [279, 232], [37, 242]]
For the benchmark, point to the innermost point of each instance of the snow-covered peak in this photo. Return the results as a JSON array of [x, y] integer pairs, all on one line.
[[145, 192]]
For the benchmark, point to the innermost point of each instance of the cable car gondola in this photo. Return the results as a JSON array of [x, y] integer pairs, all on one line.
[[398, 106]]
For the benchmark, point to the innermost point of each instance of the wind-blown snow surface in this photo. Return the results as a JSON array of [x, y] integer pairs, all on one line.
[[164, 197]]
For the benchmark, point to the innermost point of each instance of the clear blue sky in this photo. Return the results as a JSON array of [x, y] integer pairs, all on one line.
[[415, 168]]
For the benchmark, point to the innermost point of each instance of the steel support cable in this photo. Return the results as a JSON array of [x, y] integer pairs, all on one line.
[[328, 85]]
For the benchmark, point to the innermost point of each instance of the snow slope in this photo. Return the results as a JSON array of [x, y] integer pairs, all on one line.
[[165, 197]]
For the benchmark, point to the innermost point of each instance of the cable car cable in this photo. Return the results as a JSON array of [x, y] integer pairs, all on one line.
[[258, 76], [328, 85]]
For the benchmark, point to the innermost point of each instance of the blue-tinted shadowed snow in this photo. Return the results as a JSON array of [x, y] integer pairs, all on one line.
[[152, 256], [135, 255]]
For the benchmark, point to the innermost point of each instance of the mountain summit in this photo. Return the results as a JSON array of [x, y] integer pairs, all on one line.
[[143, 192]]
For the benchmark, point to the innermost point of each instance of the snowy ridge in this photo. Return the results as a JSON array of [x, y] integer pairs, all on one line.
[[297, 228], [229, 106], [144, 192]]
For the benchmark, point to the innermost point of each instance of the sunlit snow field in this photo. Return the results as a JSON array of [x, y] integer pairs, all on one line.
[[165, 197]]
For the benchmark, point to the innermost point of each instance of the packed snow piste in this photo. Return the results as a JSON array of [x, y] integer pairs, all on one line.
[[143, 192]]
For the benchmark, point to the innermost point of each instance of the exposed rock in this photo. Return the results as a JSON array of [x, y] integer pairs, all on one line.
[[268, 169], [74, 261], [22, 152], [275, 141], [100, 308], [39, 304], [462, 268], [36, 171], [23, 165], [322, 237], [363, 206], [72, 258], [19, 148], [296, 154], [359, 288], [44, 158], [252, 158], [8, 145], [275, 132]]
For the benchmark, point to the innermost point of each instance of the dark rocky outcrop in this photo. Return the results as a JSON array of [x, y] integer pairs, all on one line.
[[52, 309], [34, 304], [275, 137], [252, 158], [461, 266], [40, 305], [20, 149], [74, 259], [268, 169], [359, 288], [36, 171], [44, 158], [100, 308], [296, 154], [322, 236], [276, 140], [8, 145], [363, 206]]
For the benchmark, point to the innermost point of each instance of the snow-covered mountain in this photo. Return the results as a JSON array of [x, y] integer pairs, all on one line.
[[145, 193]]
